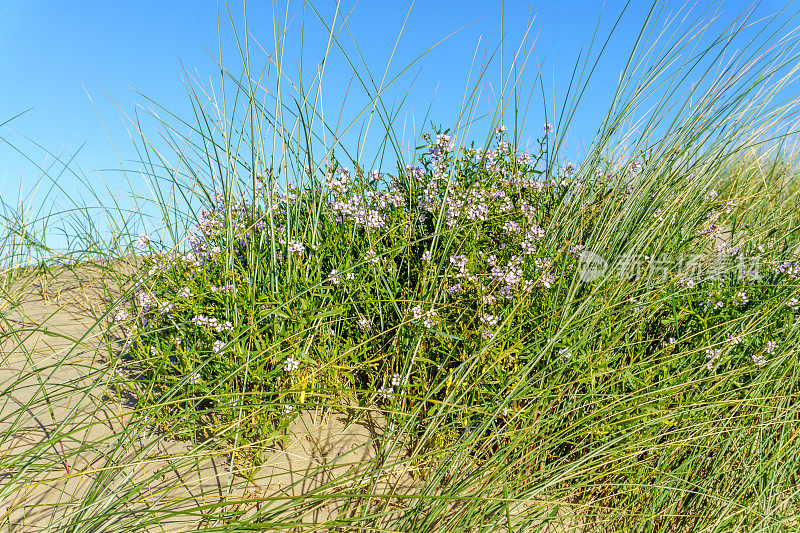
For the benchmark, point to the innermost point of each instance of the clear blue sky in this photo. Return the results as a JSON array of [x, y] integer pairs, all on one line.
[[76, 64]]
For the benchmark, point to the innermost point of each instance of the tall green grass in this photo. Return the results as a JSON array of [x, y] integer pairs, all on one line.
[[448, 297]]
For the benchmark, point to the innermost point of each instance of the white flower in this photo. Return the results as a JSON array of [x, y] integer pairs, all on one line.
[[121, 316], [511, 227], [534, 234], [371, 257], [733, 340], [386, 393], [296, 247], [212, 322], [194, 378], [143, 240], [147, 301], [546, 281], [712, 354], [455, 289], [218, 346], [427, 256], [577, 250], [740, 299], [288, 409], [333, 277], [528, 211], [759, 359], [712, 301], [184, 293], [222, 288], [548, 129], [430, 319], [365, 323], [459, 261], [489, 320], [398, 380], [566, 353], [444, 142], [793, 303], [291, 364], [770, 347]]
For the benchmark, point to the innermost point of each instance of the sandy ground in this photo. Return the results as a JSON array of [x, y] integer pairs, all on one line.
[[66, 460]]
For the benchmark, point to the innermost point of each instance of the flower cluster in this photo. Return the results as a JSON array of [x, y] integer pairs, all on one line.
[[147, 301], [386, 393], [121, 316], [733, 340], [291, 364], [428, 317], [740, 299], [143, 241], [398, 380], [212, 322], [371, 257], [770, 346], [790, 269], [713, 355], [222, 288], [714, 302]]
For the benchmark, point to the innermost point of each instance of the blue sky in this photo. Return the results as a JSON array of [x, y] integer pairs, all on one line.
[[79, 65]]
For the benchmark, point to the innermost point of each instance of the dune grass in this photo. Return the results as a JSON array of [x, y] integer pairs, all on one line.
[[546, 345]]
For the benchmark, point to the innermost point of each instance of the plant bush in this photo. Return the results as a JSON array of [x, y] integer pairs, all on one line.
[[319, 293]]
